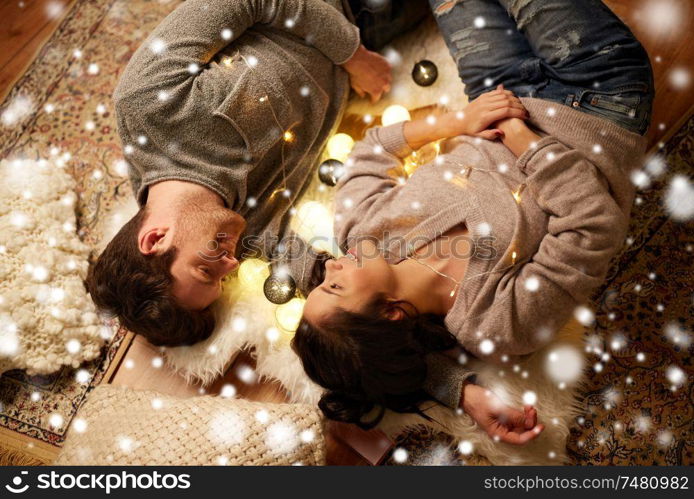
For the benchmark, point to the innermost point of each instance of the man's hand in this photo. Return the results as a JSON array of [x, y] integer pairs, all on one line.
[[517, 136], [369, 73], [484, 111], [497, 419]]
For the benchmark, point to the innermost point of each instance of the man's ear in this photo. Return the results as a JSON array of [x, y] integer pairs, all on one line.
[[152, 240]]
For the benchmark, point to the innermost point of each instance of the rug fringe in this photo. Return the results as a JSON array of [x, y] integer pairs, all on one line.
[[14, 457]]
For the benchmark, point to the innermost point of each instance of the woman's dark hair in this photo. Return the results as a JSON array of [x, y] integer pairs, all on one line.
[[368, 362], [136, 288]]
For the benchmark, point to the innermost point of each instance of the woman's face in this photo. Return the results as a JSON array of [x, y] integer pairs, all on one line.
[[351, 283]]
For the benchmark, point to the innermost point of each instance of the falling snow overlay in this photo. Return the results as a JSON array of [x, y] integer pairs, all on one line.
[[665, 299]]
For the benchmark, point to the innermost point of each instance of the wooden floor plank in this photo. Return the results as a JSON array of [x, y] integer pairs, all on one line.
[[23, 32]]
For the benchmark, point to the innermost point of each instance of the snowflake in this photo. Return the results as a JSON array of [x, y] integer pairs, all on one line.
[[79, 425], [675, 376], [532, 284], [125, 443], [56, 420], [238, 324], [530, 398], [660, 17], [679, 199], [486, 346], [54, 9], [228, 391], [272, 334], [618, 342], [21, 107], [246, 374], [564, 364], [679, 78], [655, 165], [664, 438], [392, 56], [483, 229], [584, 315], [281, 438], [400, 455], [678, 335], [227, 428], [82, 376], [643, 424], [640, 179], [157, 46]]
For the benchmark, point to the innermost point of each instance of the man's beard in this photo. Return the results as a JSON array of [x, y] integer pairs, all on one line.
[[205, 225]]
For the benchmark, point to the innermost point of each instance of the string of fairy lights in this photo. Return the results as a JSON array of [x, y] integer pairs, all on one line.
[[279, 287]]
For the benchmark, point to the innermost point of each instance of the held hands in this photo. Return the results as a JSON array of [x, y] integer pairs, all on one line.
[[482, 114], [369, 73], [497, 419]]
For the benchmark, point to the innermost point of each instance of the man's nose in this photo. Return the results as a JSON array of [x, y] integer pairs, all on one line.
[[230, 264]]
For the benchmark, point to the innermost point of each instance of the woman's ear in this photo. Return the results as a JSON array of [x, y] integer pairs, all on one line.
[[394, 311]]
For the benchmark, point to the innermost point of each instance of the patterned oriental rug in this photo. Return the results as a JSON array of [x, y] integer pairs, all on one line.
[[643, 330]]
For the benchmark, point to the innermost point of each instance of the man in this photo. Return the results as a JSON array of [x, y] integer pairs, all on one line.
[[223, 112]]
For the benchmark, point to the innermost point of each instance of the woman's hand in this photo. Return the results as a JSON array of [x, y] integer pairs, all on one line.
[[369, 73], [485, 111], [497, 419]]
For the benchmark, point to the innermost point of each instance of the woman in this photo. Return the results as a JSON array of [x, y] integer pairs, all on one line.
[[507, 231]]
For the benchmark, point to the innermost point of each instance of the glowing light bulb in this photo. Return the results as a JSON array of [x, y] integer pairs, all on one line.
[[313, 223], [288, 315], [339, 146], [513, 257], [289, 136], [394, 114], [253, 272]]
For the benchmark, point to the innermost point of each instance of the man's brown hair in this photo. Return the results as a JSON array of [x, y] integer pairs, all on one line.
[[136, 288]]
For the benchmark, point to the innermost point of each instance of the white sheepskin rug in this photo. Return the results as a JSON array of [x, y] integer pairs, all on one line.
[[47, 319], [245, 317]]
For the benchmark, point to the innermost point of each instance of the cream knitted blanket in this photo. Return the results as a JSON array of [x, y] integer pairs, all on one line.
[[46, 318], [121, 426]]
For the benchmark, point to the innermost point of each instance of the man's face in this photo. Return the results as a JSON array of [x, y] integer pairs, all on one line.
[[206, 241]]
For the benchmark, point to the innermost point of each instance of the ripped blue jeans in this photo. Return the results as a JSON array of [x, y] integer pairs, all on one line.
[[575, 52]]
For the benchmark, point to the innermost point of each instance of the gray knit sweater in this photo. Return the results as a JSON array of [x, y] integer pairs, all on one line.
[[210, 93], [570, 220]]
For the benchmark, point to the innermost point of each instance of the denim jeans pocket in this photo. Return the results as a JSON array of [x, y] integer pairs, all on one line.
[[628, 106]]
